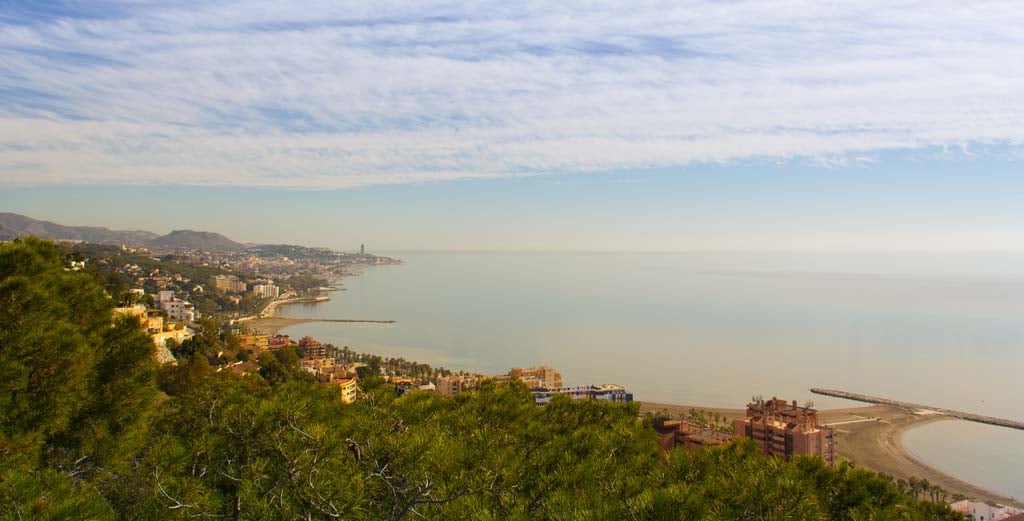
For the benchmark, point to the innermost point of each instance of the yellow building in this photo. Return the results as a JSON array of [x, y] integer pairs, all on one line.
[[154, 321], [257, 343], [349, 389], [540, 377], [138, 312]]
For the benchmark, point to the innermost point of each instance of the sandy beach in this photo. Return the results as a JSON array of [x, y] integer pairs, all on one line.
[[271, 325], [869, 437]]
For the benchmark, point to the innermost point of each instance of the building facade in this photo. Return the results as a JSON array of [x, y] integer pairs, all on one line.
[[229, 283], [255, 343], [983, 510], [603, 392], [455, 384], [180, 311], [313, 347], [266, 290], [784, 429], [177, 310], [349, 388], [677, 433], [540, 377]]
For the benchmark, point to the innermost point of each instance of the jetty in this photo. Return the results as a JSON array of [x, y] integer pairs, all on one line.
[[347, 320], [1000, 422]]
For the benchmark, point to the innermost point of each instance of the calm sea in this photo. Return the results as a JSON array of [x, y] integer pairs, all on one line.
[[715, 329]]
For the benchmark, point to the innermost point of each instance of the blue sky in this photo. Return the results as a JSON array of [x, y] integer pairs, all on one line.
[[533, 125]]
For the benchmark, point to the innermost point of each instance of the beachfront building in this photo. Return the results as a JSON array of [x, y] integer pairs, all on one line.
[[676, 433], [540, 377], [603, 392], [984, 510], [782, 429], [266, 290]]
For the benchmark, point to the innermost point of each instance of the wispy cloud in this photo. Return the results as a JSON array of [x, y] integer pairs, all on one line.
[[332, 94]]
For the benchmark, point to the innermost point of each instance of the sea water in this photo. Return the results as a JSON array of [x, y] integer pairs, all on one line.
[[712, 329]]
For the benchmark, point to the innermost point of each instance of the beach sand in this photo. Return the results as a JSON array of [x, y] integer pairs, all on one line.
[[271, 325], [869, 437]]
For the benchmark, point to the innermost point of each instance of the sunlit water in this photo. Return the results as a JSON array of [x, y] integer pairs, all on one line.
[[944, 330]]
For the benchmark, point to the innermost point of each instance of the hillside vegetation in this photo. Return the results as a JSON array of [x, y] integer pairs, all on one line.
[[90, 428]]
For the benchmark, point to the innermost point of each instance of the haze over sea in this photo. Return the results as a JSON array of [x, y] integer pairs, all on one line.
[[715, 329]]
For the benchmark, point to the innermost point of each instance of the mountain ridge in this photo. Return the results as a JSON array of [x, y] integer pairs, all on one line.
[[14, 225]]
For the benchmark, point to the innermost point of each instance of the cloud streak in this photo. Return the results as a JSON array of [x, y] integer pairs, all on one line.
[[336, 95]]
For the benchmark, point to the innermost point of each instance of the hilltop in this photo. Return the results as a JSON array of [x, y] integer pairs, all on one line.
[[195, 240]]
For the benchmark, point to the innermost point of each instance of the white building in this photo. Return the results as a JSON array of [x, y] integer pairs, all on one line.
[[177, 310], [180, 311], [266, 290], [983, 511], [603, 392]]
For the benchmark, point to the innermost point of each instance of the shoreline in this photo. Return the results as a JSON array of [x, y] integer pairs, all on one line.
[[870, 437], [269, 323]]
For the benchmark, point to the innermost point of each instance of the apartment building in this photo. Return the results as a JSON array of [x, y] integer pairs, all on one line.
[[784, 429], [229, 283], [455, 384], [604, 392], [540, 377], [266, 290]]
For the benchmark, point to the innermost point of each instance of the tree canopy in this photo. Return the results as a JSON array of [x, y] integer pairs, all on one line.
[[88, 431]]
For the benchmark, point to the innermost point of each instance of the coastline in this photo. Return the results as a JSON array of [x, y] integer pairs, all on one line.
[[870, 437], [269, 323]]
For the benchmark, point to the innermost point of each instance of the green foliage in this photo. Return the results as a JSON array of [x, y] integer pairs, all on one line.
[[30, 493], [75, 386], [81, 436], [303, 283], [64, 371]]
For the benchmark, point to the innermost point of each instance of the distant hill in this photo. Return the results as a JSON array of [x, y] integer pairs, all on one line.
[[193, 240], [13, 225]]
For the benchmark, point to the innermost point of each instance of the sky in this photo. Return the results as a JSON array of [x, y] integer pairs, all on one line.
[[605, 126]]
